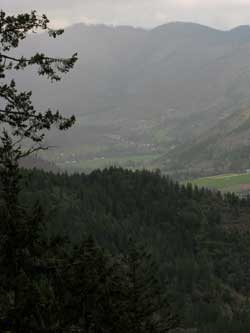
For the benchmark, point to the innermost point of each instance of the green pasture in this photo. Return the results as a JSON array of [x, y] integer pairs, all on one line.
[[131, 161], [225, 183]]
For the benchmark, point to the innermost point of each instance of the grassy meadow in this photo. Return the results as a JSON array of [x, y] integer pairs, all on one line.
[[225, 183]]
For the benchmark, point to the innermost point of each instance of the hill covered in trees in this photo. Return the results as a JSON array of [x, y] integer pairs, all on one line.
[[200, 240]]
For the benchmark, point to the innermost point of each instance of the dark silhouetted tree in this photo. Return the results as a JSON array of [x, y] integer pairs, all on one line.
[[23, 302]]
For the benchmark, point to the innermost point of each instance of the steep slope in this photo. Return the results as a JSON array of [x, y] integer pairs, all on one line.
[[224, 148]]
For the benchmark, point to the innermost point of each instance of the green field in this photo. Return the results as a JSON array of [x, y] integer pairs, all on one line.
[[225, 183], [130, 161]]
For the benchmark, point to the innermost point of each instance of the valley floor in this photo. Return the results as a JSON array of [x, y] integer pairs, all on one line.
[[233, 182]]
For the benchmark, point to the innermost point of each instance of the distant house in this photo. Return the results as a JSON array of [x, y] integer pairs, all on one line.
[[247, 170]]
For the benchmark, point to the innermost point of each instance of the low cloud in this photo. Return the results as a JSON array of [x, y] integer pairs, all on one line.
[[223, 14]]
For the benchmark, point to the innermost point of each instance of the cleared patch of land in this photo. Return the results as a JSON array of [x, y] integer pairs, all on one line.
[[225, 183]]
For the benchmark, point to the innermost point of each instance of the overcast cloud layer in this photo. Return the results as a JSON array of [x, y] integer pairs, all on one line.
[[222, 14]]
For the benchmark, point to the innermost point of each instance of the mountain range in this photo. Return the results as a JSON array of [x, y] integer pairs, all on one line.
[[138, 92]]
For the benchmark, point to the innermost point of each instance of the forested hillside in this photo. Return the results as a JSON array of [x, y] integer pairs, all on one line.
[[199, 240]]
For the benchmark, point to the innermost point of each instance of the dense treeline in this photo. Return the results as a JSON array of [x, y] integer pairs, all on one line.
[[199, 239], [85, 290]]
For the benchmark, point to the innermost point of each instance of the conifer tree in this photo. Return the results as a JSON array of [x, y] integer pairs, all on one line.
[[23, 304], [92, 285], [146, 307]]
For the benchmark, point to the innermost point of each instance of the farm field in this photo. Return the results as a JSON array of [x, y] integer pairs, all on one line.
[[130, 161], [225, 183]]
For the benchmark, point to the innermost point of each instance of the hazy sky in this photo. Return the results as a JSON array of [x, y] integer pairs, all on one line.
[[223, 14]]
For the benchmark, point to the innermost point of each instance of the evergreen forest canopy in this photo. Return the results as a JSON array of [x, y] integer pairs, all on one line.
[[115, 250], [198, 239]]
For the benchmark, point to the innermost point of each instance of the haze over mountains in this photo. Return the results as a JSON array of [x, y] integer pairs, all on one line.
[[142, 92]]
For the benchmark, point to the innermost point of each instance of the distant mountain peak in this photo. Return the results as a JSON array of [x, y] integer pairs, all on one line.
[[241, 28], [241, 31], [102, 26], [180, 25]]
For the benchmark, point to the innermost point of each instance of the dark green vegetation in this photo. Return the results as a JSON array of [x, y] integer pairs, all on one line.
[[199, 240]]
